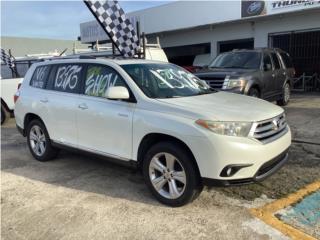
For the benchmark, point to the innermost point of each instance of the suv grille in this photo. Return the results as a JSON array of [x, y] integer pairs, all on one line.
[[214, 82], [270, 130]]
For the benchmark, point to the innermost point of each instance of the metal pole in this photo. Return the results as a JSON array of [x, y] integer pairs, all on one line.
[[139, 38], [14, 69], [144, 45], [113, 49]]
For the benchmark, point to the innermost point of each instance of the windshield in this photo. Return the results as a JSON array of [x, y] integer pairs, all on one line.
[[166, 80], [248, 60]]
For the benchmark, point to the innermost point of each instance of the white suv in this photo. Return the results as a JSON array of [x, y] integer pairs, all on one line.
[[181, 133]]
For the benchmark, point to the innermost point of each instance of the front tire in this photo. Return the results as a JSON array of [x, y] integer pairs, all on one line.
[[253, 92], [170, 174], [285, 98], [39, 142]]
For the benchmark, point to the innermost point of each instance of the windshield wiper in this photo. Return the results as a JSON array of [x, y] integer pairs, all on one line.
[[232, 67]]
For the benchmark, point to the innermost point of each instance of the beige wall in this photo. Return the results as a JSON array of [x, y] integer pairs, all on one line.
[[22, 46]]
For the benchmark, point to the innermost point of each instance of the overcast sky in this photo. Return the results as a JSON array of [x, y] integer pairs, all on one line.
[[53, 19]]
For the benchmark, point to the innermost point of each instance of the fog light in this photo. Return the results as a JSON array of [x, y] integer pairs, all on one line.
[[230, 170]]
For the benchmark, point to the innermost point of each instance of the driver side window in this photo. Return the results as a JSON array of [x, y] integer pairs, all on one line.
[[267, 64]]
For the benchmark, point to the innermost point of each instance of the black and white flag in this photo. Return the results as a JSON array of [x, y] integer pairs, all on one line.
[[118, 27], [7, 60]]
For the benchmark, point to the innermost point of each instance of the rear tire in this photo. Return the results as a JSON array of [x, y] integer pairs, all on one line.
[[39, 142], [254, 92], [285, 97], [4, 114], [170, 174]]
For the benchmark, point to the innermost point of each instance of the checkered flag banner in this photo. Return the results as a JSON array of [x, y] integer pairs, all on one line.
[[118, 27], [6, 59]]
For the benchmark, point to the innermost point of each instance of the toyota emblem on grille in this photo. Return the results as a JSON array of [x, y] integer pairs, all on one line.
[[276, 124]]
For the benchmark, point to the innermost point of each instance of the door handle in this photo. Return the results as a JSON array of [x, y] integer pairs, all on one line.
[[44, 100], [123, 115], [83, 106]]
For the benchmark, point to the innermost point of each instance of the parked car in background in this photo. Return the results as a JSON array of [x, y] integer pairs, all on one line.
[[200, 61], [9, 84], [264, 73], [8, 89], [181, 133]]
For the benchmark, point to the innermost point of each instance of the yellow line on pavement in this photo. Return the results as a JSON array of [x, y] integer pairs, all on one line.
[[266, 213]]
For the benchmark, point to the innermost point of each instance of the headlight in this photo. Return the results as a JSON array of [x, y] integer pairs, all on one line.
[[234, 83], [238, 129]]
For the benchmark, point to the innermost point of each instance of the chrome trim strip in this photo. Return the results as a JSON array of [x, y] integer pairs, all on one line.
[[282, 129], [275, 137], [263, 135], [91, 150]]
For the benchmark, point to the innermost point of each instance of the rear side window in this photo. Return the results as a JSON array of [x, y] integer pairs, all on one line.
[[267, 65], [99, 78], [275, 60], [40, 76], [22, 68], [67, 78], [6, 72], [286, 60]]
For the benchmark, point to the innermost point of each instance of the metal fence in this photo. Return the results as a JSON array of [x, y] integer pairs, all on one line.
[[306, 83]]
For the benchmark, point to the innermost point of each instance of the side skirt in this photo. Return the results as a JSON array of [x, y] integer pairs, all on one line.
[[130, 164]]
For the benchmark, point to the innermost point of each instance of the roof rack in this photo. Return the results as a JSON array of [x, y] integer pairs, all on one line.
[[69, 57], [119, 56]]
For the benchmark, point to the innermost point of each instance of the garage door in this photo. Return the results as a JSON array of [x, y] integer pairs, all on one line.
[[303, 47], [184, 55], [226, 46]]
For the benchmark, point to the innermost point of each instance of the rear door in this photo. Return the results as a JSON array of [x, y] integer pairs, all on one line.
[[104, 126], [268, 76], [287, 64], [279, 72], [61, 99]]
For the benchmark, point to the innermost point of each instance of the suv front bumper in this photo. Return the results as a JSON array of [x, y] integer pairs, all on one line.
[[264, 172], [252, 159], [235, 90]]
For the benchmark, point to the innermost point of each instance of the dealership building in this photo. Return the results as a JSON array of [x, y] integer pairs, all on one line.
[[190, 28]]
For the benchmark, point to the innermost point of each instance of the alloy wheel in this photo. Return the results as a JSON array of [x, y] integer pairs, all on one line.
[[37, 140], [286, 93], [167, 175]]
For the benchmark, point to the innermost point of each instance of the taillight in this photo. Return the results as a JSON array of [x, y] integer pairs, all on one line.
[[17, 94]]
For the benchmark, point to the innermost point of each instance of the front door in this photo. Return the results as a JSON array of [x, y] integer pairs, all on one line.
[[104, 126]]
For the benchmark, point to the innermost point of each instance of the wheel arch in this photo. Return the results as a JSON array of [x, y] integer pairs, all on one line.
[[289, 81], [4, 104], [151, 139], [27, 119], [255, 86]]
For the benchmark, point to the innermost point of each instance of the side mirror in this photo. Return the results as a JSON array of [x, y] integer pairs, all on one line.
[[117, 93], [267, 67]]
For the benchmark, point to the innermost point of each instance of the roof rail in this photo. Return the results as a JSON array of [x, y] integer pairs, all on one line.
[[119, 56], [71, 57]]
